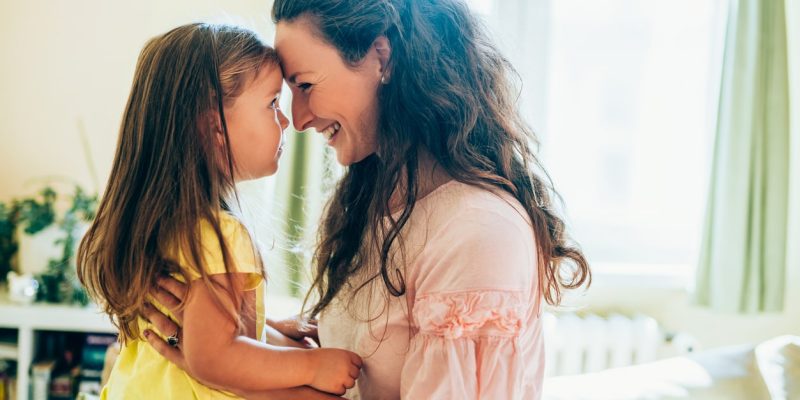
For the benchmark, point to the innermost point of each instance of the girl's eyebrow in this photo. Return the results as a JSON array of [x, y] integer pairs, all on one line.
[[275, 89]]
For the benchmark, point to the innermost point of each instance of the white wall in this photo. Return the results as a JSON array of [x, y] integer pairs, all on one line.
[[70, 62]]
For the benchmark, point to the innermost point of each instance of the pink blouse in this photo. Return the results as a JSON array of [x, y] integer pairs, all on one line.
[[468, 326]]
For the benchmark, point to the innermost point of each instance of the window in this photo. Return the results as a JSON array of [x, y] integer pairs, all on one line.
[[625, 119]]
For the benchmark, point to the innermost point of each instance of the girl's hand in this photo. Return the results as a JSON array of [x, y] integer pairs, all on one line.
[[334, 370], [297, 328]]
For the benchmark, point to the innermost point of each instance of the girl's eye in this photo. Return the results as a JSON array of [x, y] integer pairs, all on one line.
[[275, 103], [304, 87]]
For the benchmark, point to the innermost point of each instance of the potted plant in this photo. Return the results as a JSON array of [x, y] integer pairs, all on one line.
[[33, 227], [59, 283], [8, 241]]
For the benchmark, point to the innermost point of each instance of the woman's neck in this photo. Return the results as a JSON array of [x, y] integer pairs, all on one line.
[[430, 175]]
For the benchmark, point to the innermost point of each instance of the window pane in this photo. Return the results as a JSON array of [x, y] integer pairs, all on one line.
[[628, 117]]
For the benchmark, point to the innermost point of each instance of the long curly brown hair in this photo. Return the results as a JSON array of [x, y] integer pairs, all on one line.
[[452, 94]]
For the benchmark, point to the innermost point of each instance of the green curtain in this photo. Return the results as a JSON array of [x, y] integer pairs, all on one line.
[[304, 172], [742, 263]]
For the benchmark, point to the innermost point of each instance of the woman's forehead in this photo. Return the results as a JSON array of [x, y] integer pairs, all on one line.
[[300, 49], [290, 34]]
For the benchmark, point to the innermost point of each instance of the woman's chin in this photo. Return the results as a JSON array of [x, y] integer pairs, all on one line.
[[347, 158]]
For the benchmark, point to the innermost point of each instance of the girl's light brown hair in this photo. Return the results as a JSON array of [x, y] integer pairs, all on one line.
[[168, 173]]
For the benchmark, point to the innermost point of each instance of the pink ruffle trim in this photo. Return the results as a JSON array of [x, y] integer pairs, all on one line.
[[470, 314]]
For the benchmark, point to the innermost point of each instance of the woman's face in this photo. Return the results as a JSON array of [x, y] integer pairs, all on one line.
[[337, 100]]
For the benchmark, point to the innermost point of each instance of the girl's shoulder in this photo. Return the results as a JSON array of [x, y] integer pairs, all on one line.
[[214, 260], [229, 225]]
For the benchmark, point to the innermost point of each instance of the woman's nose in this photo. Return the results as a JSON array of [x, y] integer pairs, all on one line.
[[301, 114]]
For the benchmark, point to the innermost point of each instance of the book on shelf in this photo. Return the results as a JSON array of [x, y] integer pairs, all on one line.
[[8, 379], [71, 363], [8, 351], [41, 371], [93, 359]]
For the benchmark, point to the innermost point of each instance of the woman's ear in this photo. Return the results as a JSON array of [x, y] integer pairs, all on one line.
[[383, 49]]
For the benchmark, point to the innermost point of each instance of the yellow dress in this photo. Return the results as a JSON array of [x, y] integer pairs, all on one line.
[[140, 372]]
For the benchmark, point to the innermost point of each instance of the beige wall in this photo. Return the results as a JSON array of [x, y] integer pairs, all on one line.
[[66, 63]]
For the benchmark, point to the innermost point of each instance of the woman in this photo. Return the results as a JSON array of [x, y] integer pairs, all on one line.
[[441, 239]]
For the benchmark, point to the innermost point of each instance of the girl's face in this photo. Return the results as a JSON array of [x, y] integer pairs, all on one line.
[[335, 99], [255, 126]]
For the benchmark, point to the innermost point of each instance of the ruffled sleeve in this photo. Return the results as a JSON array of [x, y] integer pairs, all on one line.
[[467, 347], [474, 302]]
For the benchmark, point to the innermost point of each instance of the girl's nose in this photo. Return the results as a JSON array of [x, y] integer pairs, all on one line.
[[283, 120]]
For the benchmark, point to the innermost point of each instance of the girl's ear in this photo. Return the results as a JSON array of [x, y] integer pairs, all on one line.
[[214, 122]]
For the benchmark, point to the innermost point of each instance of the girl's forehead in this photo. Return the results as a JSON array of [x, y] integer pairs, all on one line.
[[269, 78]]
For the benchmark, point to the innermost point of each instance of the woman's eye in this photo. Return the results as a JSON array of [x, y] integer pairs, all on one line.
[[304, 86]]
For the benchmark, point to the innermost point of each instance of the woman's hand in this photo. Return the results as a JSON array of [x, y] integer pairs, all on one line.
[[297, 328], [170, 294]]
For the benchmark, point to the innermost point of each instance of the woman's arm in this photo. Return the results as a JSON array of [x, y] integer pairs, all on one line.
[[475, 311], [214, 351], [297, 328]]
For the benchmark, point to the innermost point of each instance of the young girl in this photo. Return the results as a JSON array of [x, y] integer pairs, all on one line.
[[202, 115]]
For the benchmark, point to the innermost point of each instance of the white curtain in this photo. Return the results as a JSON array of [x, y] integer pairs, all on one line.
[[520, 28]]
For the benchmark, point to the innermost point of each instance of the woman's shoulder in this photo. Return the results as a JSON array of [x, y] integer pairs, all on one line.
[[460, 203], [470, 235]]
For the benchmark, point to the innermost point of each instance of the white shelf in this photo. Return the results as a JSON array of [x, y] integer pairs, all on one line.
[[9, 351], [28, 319], [52, 317]]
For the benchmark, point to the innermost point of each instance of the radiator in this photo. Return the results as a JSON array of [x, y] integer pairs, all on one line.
[[580, 344]]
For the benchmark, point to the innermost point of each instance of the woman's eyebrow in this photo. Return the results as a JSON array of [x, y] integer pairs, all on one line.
[[293, 78]]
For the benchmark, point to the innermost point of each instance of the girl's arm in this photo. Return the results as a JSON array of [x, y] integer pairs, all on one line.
[[170, 295], [216, 353], [295, 331]]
